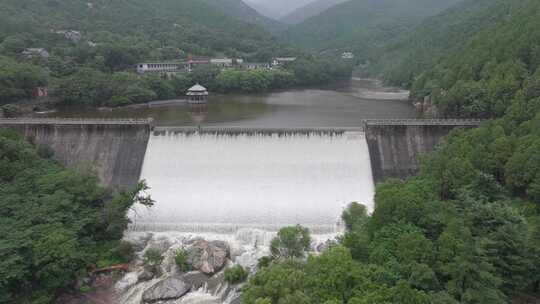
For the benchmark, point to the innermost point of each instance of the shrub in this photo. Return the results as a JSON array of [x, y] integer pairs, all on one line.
[[264, 262], [152, 257], [10, 110], [291, 242], [235, 275], [354, 214], [117, 101], [181, 260]]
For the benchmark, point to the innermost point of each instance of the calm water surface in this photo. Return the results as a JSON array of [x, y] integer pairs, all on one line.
[[342, 105]]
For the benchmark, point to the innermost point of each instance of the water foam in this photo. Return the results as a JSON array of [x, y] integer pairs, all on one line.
[[221, 184]]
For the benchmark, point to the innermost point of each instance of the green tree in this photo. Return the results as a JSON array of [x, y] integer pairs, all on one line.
[[291, 242]]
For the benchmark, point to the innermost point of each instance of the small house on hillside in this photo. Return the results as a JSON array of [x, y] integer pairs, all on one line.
[[347, 55], [40, 92], [36, 52], [282, 60]]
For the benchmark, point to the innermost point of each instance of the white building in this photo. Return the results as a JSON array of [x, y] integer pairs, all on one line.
[[36, 52], [347, 55], [226, 62], [282, 60], [256, 65], [72, 35], [161, 67]]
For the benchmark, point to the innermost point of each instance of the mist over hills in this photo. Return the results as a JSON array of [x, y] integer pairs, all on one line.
[[309, 10], [361, 25], [242, 11], [277, 9]]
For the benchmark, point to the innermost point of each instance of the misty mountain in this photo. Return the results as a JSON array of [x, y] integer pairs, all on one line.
[[362, 25], [309, 10], [277, 9], [240, 10]]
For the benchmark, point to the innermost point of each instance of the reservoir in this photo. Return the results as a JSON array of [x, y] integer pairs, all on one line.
[[340, 105]]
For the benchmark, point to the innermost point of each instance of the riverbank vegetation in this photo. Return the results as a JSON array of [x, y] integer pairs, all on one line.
[[56, 223]]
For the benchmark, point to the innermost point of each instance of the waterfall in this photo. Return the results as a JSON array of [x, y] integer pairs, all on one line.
[[223, 183]]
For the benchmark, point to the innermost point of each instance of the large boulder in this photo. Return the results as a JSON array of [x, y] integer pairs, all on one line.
[[208, 257], [167, 289], [145, 274], [127, 281], [195, 279]]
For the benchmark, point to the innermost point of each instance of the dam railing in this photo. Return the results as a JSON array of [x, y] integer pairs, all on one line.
[[424, 122], [239, 129], [75, 121]]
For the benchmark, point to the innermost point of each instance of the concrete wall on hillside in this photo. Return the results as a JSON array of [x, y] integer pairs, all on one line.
[[114, 151], [395, 149]]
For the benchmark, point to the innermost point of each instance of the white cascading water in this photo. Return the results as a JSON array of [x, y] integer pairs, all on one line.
[[241, 188], [222, 183]]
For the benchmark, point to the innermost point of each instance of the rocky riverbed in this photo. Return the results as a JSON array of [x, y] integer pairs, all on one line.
[[208, 256]]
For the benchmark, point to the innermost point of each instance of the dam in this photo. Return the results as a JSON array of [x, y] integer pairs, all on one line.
[[224, 179]]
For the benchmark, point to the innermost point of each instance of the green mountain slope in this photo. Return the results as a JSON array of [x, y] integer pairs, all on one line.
[[489, 73], [437, 36], [361, 25], [190, 25]]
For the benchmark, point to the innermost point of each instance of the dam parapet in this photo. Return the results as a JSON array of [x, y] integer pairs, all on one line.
[[113, 148], [395, 146], [237, 131]]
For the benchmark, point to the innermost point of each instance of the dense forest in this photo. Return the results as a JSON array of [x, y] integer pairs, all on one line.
[[362, 26], [400, 60], [56, 224], [467, 228], [97, 67]]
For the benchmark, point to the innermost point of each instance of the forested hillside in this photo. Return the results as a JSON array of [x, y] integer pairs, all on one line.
[[489, 74], [440, 35], [56, 224], [189, 25], [467, 228], [362, 25]]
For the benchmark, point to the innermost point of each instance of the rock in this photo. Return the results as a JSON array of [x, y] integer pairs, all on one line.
[[237, 299], [139, 240], [127, 281], [161, 244], [168, 265], [200, 298], [145, 274], [167, 289], [208, 257], [216, 284], [195, 279]]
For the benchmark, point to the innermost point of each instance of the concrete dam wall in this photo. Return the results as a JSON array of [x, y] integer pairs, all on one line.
[[116, 149], [113, 149], [395, 147]]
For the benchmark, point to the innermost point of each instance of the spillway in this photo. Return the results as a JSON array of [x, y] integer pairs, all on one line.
[[223, 182]]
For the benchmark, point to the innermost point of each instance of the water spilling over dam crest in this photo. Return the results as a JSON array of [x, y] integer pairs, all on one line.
[[222, 182]]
